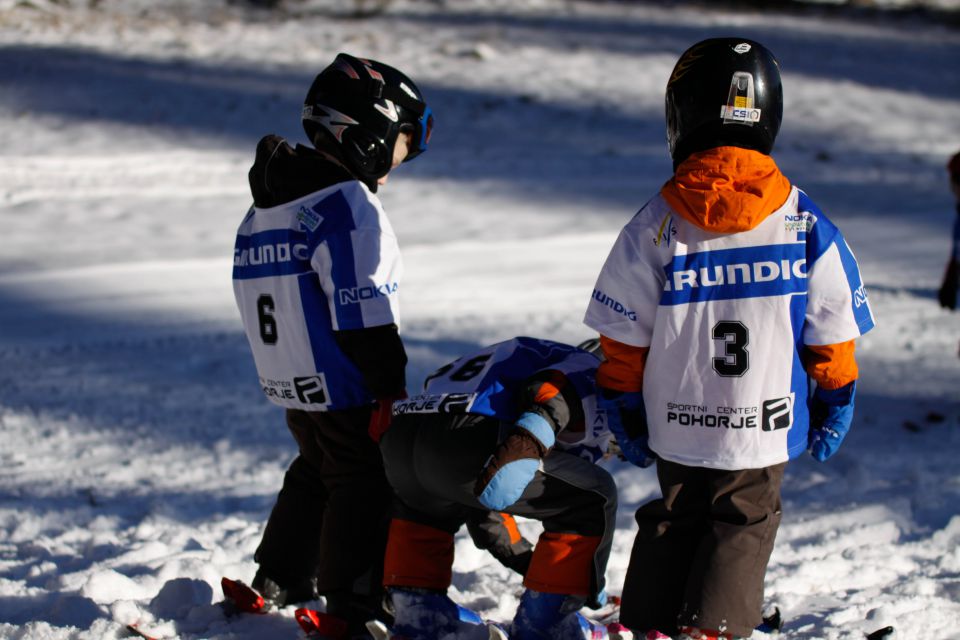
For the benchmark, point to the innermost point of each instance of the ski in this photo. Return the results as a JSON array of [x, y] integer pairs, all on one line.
[[240, 597], [319, 624], [608, 617], [379, 631], [616, 631], [135, 629], [881, 634], [772, 622], [496, 633], [609, 612]]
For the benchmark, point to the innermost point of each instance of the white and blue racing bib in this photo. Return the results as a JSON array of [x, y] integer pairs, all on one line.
[[326, 262], [725, 317]]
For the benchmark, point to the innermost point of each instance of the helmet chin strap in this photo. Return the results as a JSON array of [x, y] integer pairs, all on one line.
[[335, 160], [329, 157], [332, 156], [371, 184]]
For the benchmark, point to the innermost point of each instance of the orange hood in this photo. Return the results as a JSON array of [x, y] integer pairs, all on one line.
[[726, 189]]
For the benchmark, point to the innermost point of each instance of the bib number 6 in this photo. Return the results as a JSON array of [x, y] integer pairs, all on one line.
[[268, 324], [735, 360]]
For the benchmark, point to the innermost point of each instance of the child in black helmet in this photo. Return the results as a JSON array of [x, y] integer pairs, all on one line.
[[512, 427], [718, 300], [316, 277]]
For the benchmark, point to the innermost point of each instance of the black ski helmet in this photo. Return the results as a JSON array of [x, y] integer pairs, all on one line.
[[361, 106], [724, 92]]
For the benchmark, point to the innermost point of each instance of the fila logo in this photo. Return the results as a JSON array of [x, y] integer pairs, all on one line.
[[777, 414], [311, 389]]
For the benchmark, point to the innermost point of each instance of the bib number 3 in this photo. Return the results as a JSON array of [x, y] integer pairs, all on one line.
[[735, 360]]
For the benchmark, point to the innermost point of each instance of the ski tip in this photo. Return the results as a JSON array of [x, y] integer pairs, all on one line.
[[320, 624], [378, 630], [135, 630], [242, 597], [616, 631], [772, 622], [882, 634], [496, 633]]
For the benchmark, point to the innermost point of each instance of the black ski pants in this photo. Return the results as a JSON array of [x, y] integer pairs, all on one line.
[[432, 461], [701, 551], [331, 516]]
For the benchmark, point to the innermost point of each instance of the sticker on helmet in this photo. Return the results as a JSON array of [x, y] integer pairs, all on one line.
[[739, 114], [743, 47], [740, 100]]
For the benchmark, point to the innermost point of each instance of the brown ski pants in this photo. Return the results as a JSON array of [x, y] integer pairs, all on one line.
[[701, 551]]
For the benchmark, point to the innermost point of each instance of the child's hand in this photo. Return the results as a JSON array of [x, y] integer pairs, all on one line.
[[514, 463], [831, 413], [627, 421]]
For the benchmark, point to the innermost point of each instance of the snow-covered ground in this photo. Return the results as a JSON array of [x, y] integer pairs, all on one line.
[[138, 460]]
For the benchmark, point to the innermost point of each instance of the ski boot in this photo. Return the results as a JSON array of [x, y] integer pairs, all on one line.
[[279, 596], [356, 610], [423, 614], [553, 616]]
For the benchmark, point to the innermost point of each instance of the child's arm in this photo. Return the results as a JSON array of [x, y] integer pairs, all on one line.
[[834, 369], [620, 394]]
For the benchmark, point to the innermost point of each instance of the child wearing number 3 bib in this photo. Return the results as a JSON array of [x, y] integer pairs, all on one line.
[[720, 300]]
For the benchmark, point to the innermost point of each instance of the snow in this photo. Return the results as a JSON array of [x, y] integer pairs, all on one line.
[[139, 460]]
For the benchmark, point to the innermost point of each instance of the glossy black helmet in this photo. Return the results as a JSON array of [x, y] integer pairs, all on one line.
[[724, 92], [359, 107]]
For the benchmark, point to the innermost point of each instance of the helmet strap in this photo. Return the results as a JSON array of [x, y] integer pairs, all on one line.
[[322, 150]]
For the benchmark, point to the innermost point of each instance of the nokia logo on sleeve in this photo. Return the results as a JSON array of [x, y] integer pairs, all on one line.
[[353, 295]]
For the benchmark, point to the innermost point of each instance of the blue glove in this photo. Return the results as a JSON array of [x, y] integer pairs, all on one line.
[[831, 412], [627, 421], [512, 466]]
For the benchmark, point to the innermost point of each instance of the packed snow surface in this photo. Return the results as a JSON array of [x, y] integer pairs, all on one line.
[[138, 458]]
